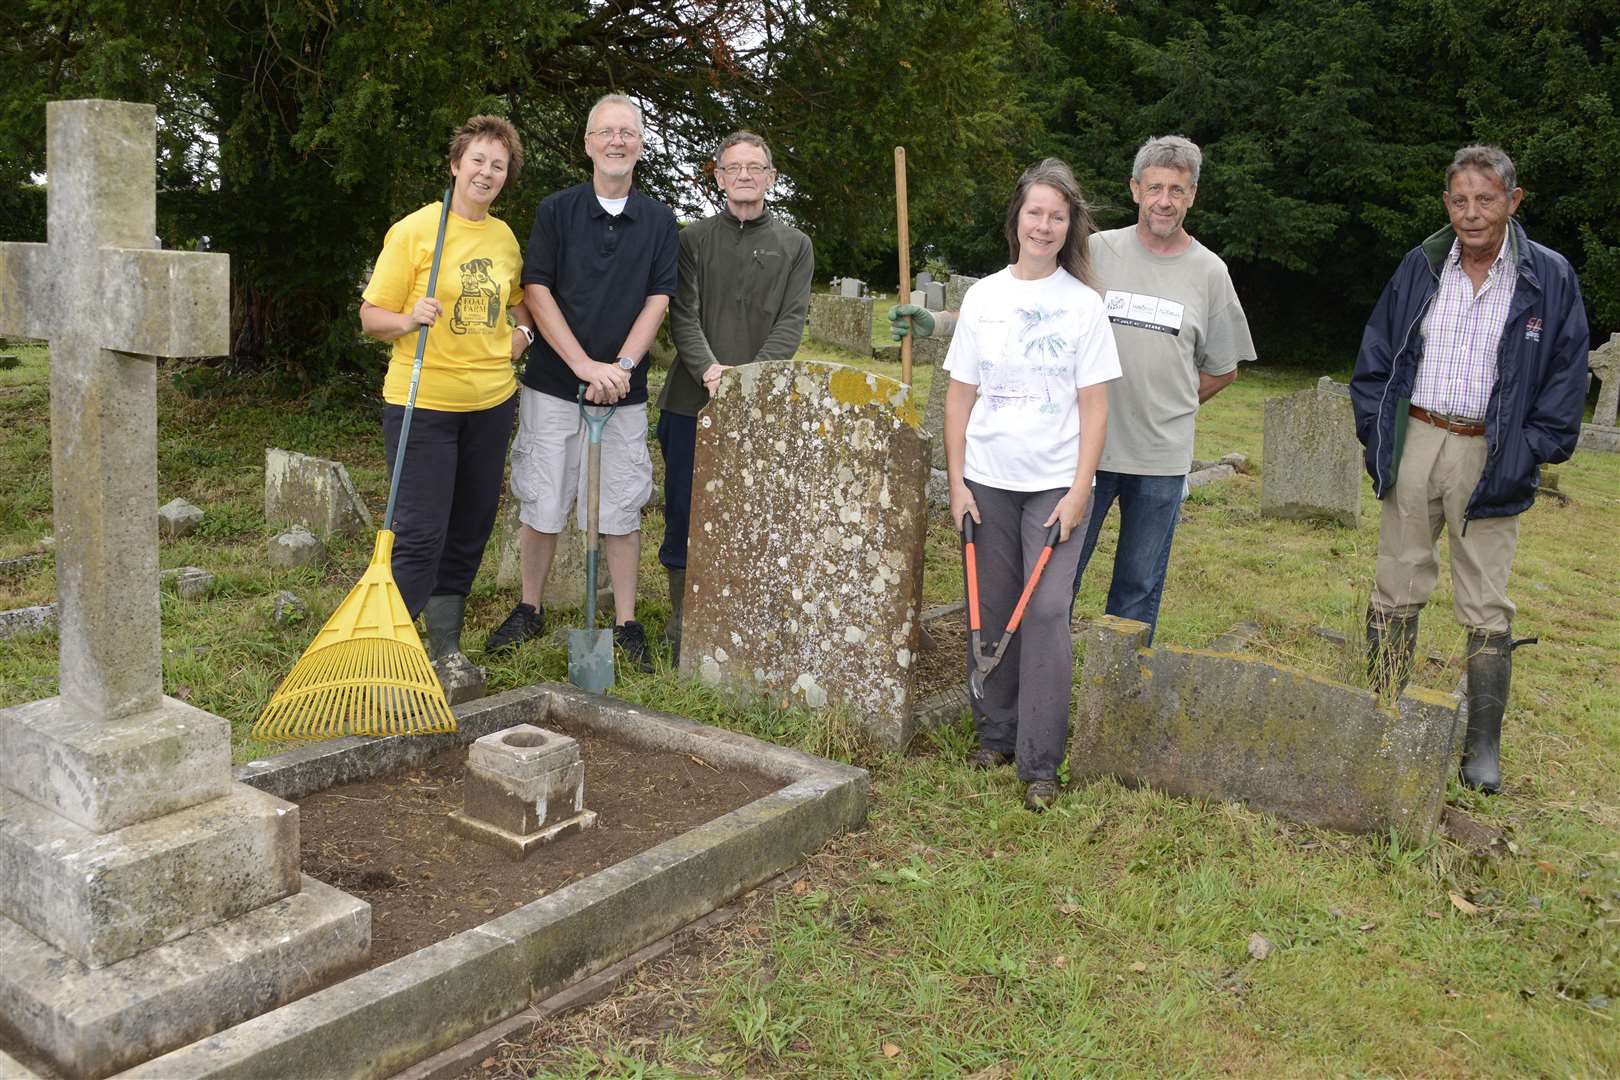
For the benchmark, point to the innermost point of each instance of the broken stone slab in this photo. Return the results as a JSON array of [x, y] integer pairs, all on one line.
[[190, 582], [296, 548], [939, 489], [844, 322], [1313, 461], [1596, 438], [8, 361], [461, 679], [28, 620], [1238, 461], [23, 564], [93, 1022], [808, 515], [1206, 724], [177, 518], [312, 492], [286, 609], [1212, 475]]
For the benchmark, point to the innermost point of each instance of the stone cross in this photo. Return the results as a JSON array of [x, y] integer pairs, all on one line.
[[108, 303], [1604, 362]]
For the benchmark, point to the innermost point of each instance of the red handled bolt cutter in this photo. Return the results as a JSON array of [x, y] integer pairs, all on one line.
[[984, 664]]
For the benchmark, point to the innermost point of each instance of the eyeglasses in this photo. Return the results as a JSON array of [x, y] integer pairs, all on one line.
[[752, 169], [607, 134]]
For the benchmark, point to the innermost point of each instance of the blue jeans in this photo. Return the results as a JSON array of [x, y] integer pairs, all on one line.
[[1148, 508]]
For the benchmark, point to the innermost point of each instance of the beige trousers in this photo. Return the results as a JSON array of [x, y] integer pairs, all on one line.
[[1436, 475]]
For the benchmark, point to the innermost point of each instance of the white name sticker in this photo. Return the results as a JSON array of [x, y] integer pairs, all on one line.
[[1146, 312]]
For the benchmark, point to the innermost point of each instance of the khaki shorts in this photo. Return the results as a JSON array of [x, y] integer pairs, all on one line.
[[548, 459]]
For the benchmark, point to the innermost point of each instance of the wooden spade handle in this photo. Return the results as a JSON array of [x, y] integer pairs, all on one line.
[[905, 254]]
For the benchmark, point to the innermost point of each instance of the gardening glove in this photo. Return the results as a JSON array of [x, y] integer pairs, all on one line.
[[910, 318]]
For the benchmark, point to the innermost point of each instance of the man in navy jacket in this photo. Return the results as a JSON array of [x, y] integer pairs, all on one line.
[[1471, 376]]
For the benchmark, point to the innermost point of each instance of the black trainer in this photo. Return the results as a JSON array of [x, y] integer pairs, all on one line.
[[524, 623], [632, 642]]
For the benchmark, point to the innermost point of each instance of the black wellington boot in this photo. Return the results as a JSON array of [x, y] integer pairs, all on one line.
[[677, 601], [444, 614], [1391, 647], [1490, 669]]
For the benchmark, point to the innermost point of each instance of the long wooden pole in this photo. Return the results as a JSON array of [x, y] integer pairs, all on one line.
[[905, 254]]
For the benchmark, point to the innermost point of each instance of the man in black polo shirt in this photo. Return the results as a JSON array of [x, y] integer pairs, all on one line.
[[598, 275]]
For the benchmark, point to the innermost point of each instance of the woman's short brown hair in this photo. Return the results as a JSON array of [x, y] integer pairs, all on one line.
[[489, 127]]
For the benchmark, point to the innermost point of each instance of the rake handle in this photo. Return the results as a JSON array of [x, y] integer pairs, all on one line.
[[416, 370]]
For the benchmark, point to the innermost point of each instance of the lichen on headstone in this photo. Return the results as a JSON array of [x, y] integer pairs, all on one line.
[[808, 513]]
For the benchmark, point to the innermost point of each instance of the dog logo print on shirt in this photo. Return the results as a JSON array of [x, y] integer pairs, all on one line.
[[479, 306]]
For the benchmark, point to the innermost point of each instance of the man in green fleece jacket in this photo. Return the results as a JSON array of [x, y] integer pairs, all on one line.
[[744, 292]]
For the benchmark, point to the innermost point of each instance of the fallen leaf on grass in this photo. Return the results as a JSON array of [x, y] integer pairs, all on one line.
[[1060, 962], [890, 1050], [1260, 946], [1431, 914], [800, 887], [487, 1063], [1546, 867], [1139, 967], [1367, 926], [1463, 905], [1001, 1070]]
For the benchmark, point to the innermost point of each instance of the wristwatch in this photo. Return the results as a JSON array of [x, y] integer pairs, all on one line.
[[526, 332], [627, 364]]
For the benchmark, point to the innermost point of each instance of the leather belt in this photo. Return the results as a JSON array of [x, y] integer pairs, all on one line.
[[1445, 423]]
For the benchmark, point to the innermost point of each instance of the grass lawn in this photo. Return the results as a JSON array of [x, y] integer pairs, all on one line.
[[959, 934]]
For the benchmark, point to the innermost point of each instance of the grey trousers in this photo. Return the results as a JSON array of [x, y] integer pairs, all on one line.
[[1025, 708]]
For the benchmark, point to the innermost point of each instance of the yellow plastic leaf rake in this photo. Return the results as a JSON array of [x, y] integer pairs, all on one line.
[[365, 673]]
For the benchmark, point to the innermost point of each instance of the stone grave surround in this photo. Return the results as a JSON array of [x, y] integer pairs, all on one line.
[[808, 516], [1313, 460], [1210, 724], [146, 899], [841, 321]]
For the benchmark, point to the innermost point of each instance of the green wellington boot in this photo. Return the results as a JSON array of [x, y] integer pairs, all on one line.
[[677, 600], [443, 615], [1490, 669], [1391, 648]]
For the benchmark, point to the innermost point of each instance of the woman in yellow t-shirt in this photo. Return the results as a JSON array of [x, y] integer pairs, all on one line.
[[456, 455]]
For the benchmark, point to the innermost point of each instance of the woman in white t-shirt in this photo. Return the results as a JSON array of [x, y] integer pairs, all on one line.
[[1026, 413]]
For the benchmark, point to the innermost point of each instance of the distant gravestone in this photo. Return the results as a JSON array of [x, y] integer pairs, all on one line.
[[808, 515], [146, 900], [841, 321], [918, 297], [934, 296], [1604, 362], [957, 288], [851, 288], [1312, 457], [922, 279], [312, 492], [1207, 724]]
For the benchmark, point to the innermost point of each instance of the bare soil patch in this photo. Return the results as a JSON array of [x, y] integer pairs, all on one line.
[[388, 841]]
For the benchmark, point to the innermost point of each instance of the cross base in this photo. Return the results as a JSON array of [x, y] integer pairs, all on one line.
[[91, 1023]]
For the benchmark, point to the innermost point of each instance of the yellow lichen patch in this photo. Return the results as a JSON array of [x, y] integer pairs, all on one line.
[[851, 386]]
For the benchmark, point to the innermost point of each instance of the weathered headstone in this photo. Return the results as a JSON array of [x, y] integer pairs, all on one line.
[[851, 288], [931, 351], [841, 321], [808, 515], [934, 296], [295, 548], [957, 288], [565, 584], [146, 900], [1208, 724], [1604, 364], [922, 279], [190, 582], [312, 492], [177, 518], [1312, 457], [918, 297]]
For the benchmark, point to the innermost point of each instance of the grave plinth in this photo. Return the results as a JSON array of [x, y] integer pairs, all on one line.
[[808, 516], [525, 787], [136, 878], [1209, 724]]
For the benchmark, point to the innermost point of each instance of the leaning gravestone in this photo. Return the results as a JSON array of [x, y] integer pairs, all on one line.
[[931, 350], [955, 289], [808, 515], [842, 321], [312, 492], [1211, 724], [1602, 434], [1312, 457], [146, 900]]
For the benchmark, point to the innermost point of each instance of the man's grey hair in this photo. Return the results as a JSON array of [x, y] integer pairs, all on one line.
[[1487, 159], [613, 99], [1168, 152], [737, 138]]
